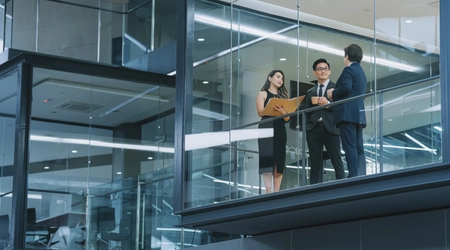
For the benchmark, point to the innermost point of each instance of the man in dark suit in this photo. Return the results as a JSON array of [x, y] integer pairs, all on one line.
[[320, 128], [350, 117]]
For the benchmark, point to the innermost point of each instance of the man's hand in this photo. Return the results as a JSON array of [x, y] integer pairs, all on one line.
[[322, 101], [330, 94]]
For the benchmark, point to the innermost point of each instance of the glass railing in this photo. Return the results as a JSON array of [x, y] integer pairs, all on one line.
[[403, 131]]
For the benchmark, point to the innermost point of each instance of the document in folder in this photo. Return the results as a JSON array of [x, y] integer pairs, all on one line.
[[290, 105]]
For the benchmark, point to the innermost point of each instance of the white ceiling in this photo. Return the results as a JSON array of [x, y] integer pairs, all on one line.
[[360, 17]]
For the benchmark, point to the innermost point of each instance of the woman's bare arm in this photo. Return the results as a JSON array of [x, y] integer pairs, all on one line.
[[260, 99]]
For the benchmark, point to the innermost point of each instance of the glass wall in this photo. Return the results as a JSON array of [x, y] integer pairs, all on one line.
[[236, 44], [111, 32], [89, 132], [8, 83]]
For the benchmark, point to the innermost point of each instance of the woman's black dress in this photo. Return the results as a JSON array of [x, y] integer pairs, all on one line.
[[272, 150]]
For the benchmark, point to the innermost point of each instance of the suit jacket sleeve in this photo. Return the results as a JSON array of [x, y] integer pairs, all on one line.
[[346, 84]]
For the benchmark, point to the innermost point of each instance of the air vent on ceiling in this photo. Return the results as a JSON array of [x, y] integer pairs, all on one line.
[[78, 106]]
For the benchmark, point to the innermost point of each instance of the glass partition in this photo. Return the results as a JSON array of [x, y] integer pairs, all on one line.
[[90, 131], [136, 34], [8, 83], [411, 122], [113, 215], [149, 35], [236, 44]]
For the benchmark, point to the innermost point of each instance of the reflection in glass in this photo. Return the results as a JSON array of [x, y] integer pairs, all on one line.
[[8, 100], [86, 132], [236, 45]]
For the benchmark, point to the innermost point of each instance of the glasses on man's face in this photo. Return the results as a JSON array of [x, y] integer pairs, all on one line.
[[322, 69]]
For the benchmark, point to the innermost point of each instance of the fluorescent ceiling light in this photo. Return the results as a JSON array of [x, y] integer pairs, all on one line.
[[438, 128], [421, 144], [30, 196], [230, 183], [209, 20], [167, 204], [400, 147], [101, 144], [157, 208], [175, 229], [295, 167], [133, 98]]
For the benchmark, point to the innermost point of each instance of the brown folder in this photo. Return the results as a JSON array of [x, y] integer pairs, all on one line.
[[290, 105]]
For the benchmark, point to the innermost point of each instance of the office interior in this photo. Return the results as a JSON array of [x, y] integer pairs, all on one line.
[[132, 124]]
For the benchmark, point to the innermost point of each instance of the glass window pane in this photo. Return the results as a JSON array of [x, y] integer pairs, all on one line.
[[89, 131], [8, 97]]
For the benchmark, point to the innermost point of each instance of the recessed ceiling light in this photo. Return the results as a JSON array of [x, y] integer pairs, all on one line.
[[282, 59], [150, 158], [119, 173], [390, 120], [201, 39], [408, 21], [205, 82], [74, 151], [46, 167]]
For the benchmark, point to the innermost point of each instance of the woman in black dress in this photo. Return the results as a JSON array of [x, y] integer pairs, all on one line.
[[272, 150]]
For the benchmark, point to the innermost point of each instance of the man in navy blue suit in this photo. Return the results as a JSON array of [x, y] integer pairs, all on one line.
[[350, 117]]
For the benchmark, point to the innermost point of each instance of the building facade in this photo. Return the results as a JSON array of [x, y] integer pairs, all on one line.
[[133, 124]]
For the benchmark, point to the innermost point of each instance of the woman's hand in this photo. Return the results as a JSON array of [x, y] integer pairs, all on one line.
[[280, 109]]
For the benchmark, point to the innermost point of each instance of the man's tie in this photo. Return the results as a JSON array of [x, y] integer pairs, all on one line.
[[320, 90]]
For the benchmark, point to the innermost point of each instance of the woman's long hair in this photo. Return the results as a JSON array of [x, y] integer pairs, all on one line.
[[281, 92]]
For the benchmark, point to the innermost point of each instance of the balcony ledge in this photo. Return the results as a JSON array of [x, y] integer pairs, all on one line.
[[411, 190]]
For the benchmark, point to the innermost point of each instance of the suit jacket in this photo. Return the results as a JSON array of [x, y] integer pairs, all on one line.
[[325, 113], [352, 82]]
